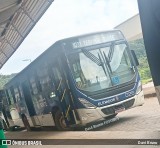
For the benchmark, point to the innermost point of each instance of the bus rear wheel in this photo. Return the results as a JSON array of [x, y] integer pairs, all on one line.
[[26, 123], [60, 121]]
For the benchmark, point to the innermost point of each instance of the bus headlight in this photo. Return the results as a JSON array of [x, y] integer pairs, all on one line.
[[139, 87], [86, 103]]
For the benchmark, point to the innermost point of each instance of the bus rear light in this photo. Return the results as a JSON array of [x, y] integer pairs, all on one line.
[[86, 103]]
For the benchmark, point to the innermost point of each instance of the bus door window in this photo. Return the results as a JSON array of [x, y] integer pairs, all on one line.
[[59, 80], [63, 93], [60, 87]]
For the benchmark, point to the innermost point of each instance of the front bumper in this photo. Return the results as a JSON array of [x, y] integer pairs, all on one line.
[[99, 113]]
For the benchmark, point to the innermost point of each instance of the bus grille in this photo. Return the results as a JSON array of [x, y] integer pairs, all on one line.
[[111, 110]]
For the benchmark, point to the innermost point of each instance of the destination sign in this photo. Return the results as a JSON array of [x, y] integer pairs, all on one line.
[[97, 39]]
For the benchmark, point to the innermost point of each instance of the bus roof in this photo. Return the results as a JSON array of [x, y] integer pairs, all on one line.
[[87, 34]]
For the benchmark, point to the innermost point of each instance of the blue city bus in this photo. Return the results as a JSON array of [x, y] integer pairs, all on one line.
[[78, 80]]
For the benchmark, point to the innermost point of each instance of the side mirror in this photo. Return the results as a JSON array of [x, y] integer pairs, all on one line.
[[135, 57]]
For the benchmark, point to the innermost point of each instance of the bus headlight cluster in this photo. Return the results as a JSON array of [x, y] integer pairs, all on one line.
[[139, 87], [86, 103]]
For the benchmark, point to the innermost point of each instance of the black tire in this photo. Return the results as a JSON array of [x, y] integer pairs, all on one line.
[[26, 123], [60, 121]]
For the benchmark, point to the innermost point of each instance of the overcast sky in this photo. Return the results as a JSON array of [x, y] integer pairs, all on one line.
[[66, 18]]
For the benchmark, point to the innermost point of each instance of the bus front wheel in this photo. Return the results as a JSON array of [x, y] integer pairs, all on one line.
[[26, 123], [60, 121]]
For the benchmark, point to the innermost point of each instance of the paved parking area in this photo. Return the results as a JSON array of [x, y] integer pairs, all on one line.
[[143, 118], [137, 123]]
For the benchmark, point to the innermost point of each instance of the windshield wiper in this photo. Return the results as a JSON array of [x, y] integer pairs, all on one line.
[[102, 64], [92, 57], [107, 62], [96, 60]]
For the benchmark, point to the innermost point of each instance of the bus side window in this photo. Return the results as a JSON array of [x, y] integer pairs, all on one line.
[[16, 93], [38, 84], [11, 95], [20, 92], [41, 73], [8, 98], [34, 89]]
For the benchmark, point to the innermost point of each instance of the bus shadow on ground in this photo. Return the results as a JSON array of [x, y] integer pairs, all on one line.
[[94, 126], [18, 129]]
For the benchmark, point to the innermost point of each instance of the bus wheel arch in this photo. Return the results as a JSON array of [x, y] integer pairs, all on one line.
[[25, 122], [59, 119]]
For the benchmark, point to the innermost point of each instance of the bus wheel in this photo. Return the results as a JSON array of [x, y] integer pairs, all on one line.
[[26, 123], [60, 121]]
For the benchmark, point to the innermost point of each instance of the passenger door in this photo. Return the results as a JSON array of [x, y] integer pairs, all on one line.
[[63, 93]]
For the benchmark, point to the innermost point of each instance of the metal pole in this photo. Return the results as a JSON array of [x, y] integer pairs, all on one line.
[[150, 20], [2, 136]]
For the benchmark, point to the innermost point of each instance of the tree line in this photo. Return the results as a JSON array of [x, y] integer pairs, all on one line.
[[143, 68]]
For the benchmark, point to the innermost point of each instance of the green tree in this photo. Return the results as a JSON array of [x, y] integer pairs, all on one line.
[[4, 79]]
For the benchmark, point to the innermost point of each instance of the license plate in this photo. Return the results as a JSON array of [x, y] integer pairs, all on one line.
[[119, 109]]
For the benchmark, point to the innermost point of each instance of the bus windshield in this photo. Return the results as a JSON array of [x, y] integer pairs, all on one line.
[[101, 68]]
